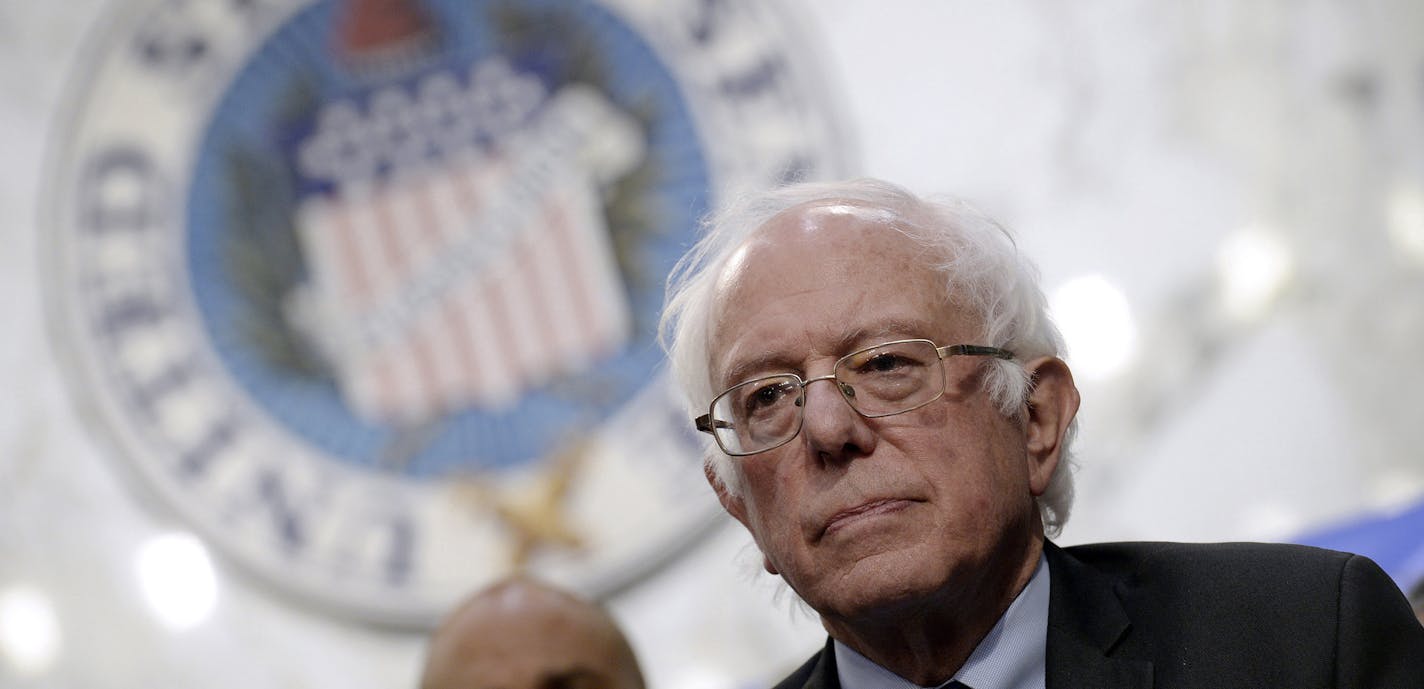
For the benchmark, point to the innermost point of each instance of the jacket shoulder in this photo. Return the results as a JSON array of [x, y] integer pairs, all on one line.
[[1233, 561], [1265, 614]]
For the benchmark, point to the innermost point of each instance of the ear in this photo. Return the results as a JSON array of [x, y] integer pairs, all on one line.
[[736, 507], [1052, 404]]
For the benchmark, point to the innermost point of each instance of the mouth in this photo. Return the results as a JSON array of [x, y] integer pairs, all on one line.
[[863, 512]]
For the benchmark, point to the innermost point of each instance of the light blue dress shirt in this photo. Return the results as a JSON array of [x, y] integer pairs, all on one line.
[[1012, 656]]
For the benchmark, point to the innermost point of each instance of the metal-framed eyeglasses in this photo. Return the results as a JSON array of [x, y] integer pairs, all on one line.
[[883, 380]]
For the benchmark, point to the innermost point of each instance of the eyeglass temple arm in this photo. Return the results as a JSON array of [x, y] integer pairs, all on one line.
[[705, 423], [974, 350]]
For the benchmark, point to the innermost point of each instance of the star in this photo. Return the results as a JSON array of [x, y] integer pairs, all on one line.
[[533, 510]]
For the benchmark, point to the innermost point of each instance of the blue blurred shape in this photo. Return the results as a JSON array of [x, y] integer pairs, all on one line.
[[1395, 541]]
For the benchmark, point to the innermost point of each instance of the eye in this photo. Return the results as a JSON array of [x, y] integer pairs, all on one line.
[[767, 396]]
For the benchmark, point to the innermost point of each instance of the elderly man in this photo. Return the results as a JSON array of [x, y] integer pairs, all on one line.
[[522, 634], [891, 421]]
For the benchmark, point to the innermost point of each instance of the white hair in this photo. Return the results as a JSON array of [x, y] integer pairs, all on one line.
[[984, 274]]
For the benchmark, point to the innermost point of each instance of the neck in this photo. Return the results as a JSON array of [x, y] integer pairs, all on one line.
[[927, 641]]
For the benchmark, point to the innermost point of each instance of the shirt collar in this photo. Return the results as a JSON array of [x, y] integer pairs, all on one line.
[[1011, 656]]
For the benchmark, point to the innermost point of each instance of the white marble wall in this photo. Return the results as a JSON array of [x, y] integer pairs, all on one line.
[[1127, 139]]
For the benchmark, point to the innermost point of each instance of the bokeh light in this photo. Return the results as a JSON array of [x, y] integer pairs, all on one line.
[[177, 579], [1096, 321], [1253, 266], [1406, 219], [29, 630]]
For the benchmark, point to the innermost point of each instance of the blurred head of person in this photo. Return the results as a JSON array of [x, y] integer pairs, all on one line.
[[523, 634]]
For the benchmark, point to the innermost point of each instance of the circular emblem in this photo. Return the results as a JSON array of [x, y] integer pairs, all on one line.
[[367, 290]]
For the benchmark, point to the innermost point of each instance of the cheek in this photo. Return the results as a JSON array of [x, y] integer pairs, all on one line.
[[977, 473], [773, 511], [770, 535]]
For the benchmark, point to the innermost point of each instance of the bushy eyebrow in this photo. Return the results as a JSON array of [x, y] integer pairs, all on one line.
[[773, 363], [764, 365]]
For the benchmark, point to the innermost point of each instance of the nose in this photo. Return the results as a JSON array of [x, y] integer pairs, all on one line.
[[830, 427]]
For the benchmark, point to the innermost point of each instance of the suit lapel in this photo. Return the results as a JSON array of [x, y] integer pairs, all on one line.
[[1086, 621], [823, 673], [825, 676]]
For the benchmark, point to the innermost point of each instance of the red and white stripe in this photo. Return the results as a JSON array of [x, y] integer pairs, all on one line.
[[546, 301]]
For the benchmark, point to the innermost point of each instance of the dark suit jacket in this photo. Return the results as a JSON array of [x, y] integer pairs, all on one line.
[[1222, 615]]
